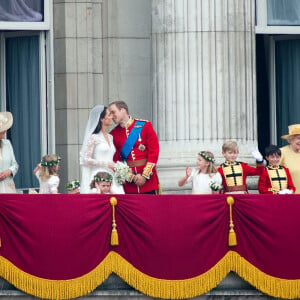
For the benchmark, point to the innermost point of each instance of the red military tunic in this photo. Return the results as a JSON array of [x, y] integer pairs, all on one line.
[[143, 156], [234, 176], [275, 179]]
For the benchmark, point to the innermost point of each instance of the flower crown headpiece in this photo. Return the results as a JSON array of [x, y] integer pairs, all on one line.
[[98, 178], [206, 157], [72, 185], [51, 162]]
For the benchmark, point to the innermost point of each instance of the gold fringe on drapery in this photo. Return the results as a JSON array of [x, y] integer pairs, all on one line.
[[55, 289], [273, 286], [154, 287]]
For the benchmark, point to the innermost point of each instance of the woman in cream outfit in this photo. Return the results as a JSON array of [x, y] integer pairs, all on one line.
[[290, 154], [8, 164]]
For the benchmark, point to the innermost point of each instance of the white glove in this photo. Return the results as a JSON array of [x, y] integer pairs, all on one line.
[[285, 191], [257, 155]]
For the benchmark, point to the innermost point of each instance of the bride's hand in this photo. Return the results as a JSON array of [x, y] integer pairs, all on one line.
[[111, 165], [5, 174]]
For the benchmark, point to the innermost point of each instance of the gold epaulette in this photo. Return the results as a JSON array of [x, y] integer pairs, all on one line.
[[142, 120], [147, 172]]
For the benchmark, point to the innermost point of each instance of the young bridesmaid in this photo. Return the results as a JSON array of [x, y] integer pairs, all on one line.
[[101, 184], [204, 178], [46, 172]]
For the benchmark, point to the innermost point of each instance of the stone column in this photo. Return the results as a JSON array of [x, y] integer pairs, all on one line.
[[204, 89], [78, 76], [127, 54]]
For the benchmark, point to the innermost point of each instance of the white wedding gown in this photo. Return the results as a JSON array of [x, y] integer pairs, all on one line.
[[95, 157]]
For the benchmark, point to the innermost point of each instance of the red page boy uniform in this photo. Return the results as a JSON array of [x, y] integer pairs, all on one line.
[[137, 144], [276, 180], [234, 176]]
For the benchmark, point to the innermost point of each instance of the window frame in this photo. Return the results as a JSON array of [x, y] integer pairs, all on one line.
[[42, 82], [272, 34], [46, 62], [262, 26], [43, 25]]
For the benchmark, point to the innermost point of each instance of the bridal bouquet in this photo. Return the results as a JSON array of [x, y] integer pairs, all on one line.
[[122, 172], [215, 186]]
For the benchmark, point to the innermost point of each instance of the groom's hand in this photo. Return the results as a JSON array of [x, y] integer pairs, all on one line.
[[139, 180]]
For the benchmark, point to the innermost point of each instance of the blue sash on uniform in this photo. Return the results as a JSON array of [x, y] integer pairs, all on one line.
[[131, 139]]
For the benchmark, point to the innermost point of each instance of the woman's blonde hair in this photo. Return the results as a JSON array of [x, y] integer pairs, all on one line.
[[209, 157], [49, 166]]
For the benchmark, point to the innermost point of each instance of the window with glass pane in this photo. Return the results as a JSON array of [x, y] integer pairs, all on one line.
[[287, 62], [22, 10], [283, 12]]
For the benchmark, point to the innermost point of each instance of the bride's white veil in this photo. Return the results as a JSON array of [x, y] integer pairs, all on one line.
[[91, 125]]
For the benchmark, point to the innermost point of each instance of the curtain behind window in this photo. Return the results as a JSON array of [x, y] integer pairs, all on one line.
[[23, 101], [22, 10], [287, 85], [283, 12]]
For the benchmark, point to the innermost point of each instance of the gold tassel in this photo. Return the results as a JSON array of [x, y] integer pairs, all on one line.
[[232, 236], [114, 239]]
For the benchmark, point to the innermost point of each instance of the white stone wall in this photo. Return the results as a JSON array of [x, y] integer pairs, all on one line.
[[127, 44], [78, 55]]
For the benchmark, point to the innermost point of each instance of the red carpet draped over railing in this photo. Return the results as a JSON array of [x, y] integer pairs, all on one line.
[[170, 246]]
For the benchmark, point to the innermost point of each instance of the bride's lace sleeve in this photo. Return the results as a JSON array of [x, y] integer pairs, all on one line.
[[88, 154]]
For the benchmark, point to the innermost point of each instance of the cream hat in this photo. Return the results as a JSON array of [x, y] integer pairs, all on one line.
[[6, 120], [293, 130]]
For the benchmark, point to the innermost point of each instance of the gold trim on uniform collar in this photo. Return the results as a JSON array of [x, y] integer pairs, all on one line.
[[129, 122], [230, 163], [273, 167]]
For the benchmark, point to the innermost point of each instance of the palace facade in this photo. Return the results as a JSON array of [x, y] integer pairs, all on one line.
[[202, 71]]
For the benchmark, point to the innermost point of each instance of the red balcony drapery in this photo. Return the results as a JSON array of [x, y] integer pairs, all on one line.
[[170, 246]]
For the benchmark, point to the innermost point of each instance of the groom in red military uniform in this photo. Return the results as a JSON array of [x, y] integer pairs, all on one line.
[[136, 143]]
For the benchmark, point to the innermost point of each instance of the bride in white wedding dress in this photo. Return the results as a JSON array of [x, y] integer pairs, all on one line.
[[97, 150]]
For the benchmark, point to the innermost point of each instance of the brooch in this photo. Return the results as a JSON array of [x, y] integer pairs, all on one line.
[[142, 147]]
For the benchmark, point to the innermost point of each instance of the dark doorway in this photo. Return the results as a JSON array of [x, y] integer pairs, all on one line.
[[263, 102]]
